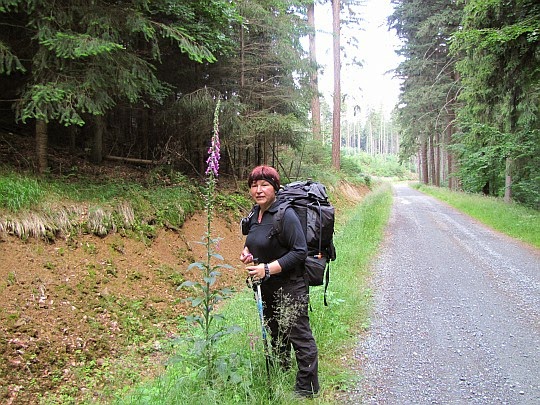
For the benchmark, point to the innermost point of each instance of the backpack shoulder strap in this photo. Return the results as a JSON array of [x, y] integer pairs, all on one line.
[[279, 217], [244, 223]]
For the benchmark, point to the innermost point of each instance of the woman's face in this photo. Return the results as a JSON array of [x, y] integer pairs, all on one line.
[[263, 193]]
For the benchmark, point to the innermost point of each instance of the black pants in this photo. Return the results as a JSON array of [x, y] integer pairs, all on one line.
[[286, 313]]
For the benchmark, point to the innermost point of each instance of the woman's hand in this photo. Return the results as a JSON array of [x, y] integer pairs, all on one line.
[[256, 272], [245, 256]]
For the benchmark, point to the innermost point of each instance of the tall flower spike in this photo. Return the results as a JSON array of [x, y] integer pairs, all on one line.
[[214, 150]]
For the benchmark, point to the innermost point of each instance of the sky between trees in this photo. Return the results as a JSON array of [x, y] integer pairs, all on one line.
[[371, 85]]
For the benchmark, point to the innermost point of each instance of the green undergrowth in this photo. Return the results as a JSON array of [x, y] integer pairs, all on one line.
[[512, 219], [50, 207], [242, 377]]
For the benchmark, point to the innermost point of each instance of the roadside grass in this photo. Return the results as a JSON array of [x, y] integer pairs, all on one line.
[[512, 219], [242, 372]]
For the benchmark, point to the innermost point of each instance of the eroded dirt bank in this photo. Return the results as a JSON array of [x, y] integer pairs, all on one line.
[[70, 309]]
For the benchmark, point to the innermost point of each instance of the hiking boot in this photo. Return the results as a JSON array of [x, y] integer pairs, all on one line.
[[305, 394]]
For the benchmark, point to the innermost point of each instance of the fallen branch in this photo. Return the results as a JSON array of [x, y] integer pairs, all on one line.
[[131, 160]]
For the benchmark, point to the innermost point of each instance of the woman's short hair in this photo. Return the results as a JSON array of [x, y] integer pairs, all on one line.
[[267, 173]]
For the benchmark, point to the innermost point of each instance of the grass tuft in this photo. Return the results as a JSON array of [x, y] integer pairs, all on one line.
[[19, 192], [100, 221]]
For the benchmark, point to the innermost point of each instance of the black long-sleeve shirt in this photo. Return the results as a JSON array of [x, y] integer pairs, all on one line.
[[289, 248]]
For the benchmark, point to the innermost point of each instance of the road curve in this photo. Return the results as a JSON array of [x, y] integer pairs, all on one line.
[[456, 316]]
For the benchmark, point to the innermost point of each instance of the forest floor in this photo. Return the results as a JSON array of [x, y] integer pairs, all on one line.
[[84, 316]]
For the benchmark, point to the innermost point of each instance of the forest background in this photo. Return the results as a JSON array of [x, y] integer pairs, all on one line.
[[138, 80]]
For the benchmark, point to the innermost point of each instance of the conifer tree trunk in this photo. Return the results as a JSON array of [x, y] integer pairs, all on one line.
[[97, 144], [431, 161], [508, 181], [437, 162], [41, 146], [370, 139], [451, 178], [242, 57], [509, 161], [144, 133], [72, 139], [358, 136], [453, 183], [314, 78], [424, 161], [349, 135], [336, 118]]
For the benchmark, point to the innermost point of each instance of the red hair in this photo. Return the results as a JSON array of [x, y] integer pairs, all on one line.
[[267, 173]]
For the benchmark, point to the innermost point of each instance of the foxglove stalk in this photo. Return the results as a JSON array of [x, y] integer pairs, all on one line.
[[210, 296], [214, 150]]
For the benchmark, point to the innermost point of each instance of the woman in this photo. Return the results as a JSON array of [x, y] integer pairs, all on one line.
[[280, 263]]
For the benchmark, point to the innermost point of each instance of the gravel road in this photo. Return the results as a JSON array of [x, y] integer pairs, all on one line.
[[456, 315]]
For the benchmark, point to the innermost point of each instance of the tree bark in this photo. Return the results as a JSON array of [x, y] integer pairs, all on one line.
[[437, 162], [336, 119], [72, 139], [431, 161], [453, 180], [41, 146], [508, 181], [348, 142], [424, 161], [144, 132], [370, 142], [419, 164], [314, 77], [383, 149], [97, 144], [242, 57]]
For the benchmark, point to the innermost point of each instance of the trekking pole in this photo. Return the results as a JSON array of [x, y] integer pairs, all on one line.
[[258, 298]]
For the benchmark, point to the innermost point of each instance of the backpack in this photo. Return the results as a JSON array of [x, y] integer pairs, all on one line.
[[310, 203]]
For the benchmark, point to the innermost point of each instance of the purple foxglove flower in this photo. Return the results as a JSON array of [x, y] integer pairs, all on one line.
[[214, 155]]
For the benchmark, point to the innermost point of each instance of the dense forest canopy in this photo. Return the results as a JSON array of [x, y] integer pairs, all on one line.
[[140, 80], [469, 106]]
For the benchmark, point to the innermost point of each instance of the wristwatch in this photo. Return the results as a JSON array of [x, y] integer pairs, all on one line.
[[266, 271]]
